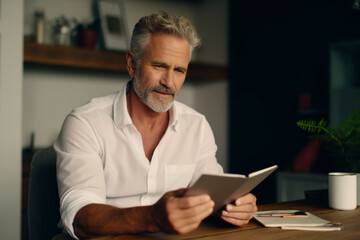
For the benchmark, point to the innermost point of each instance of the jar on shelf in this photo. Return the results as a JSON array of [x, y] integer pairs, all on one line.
[[63, 27], [39, 25]]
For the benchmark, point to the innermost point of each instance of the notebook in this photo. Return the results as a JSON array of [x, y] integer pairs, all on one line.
[[309, 223], [225, 188]]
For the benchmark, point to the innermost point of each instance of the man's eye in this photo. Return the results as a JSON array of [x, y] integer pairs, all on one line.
[[180, 70], [159, 66]]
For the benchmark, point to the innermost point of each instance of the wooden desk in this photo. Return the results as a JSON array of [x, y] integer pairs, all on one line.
[[350, 227]]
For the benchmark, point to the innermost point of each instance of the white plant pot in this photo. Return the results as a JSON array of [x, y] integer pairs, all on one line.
[[358, 189]]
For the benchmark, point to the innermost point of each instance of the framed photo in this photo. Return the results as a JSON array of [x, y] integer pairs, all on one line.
[[114, 34]]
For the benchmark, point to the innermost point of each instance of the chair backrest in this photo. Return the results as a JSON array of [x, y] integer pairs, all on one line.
[[43, 202]]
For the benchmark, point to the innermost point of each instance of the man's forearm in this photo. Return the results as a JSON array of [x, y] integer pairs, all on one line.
[[109, 220]]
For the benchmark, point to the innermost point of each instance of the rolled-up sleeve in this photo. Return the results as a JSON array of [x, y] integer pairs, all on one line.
[[79, 166]]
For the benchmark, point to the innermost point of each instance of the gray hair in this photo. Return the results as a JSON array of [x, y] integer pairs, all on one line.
[[162, 22]]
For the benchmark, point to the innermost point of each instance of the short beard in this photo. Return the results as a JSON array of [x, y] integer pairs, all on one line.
[[145, 97]]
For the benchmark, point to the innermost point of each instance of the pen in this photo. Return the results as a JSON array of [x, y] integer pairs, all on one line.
[[285, 215]]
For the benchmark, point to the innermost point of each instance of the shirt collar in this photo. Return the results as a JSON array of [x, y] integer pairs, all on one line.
[[122, 117], [174, 117]]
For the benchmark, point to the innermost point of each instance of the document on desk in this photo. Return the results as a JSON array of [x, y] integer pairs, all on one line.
[[225, 188], [279, 218]]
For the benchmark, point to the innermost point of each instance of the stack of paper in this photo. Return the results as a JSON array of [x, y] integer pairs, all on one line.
[[309, 223]]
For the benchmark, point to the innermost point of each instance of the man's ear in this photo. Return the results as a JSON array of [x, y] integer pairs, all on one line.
[[130, 63]]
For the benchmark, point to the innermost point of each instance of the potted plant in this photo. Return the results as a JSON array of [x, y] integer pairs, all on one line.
[[62, 30], [342, 143], [88, 34]]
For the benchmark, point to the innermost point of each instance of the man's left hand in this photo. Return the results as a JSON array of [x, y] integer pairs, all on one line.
[[241, 211]]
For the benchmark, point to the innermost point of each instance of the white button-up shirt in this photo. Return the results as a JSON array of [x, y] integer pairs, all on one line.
[[100, 156]]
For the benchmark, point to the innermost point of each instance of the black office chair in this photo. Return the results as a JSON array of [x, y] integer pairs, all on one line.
[[43, 202]]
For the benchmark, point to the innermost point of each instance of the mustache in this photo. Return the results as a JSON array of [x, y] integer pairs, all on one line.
[[163, 89]]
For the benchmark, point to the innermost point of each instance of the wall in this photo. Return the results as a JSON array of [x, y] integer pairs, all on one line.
[[282, 50], [10, 118], [50, 93], [344, 88]]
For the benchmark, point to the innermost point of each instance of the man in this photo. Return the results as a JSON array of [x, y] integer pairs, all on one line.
[[124, 160]]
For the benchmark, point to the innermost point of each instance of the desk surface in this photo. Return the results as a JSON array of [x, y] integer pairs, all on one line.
[[350, 227]]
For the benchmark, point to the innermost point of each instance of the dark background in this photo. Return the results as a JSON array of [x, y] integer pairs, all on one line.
[[277, 50]]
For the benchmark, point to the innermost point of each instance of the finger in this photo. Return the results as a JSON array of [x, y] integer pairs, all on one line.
[[246, 203], [191, 219], [234, 221], [191, 215], [187, 228], [238, 215], [251, 207], [186, 220], [248, 198], [197, 210], [192, 201]]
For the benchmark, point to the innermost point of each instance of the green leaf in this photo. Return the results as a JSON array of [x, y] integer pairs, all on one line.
[[312, 126]]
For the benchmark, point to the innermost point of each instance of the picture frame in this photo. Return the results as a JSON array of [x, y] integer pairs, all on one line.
[[114, 34]]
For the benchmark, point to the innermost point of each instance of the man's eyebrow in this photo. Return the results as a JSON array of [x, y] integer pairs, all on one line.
[[159, 63], [182, 68]]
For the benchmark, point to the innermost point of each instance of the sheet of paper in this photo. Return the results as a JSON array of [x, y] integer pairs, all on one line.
[[327, 227], [310, 221]]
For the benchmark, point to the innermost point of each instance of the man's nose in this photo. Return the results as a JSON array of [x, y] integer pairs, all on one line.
[[168, 78]]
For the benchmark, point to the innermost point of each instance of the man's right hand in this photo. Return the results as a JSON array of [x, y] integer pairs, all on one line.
[[176, 214], [172, 214]]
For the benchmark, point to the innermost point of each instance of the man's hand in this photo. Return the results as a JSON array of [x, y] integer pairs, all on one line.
[[176, 214], [241, 212]]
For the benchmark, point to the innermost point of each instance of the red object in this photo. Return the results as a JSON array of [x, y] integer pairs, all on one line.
[[88, 38], [306, 157], [304, 101]]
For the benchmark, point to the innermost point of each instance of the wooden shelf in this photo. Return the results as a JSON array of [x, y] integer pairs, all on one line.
[[104, 60]]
